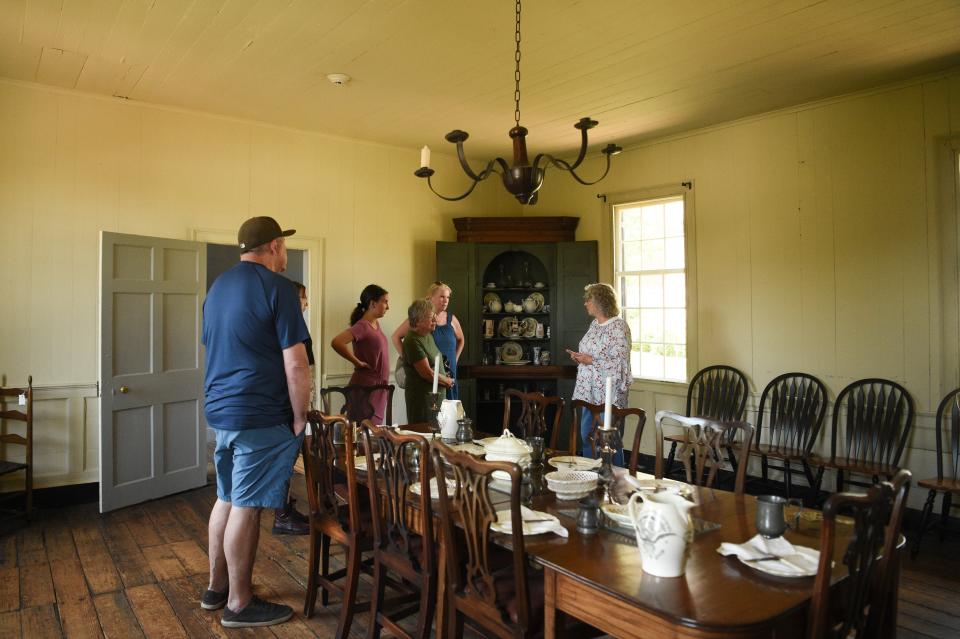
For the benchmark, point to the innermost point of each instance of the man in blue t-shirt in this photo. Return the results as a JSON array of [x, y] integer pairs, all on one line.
[[257, 390]]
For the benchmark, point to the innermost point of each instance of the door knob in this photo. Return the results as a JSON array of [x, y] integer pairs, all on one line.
[[124, 389]]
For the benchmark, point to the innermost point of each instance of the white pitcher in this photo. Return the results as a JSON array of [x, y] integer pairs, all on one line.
[[662, 524], [451, 410]]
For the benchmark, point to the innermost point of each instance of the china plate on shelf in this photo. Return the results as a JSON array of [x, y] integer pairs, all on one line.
[[538, 298], [522, 362], [503, 328], [528, 327], [490, 297], [511, 353]]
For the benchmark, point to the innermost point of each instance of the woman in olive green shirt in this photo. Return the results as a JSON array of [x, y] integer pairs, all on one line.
[[419, 353]]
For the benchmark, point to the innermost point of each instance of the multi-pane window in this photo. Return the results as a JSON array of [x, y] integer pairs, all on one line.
[[650, 269]]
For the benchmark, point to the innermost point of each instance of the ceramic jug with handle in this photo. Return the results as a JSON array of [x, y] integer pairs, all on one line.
[[662, 524], [451, 411]]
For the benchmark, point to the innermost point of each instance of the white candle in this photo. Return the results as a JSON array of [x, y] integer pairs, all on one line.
[[436, 372], [608, 405], [425, 156]]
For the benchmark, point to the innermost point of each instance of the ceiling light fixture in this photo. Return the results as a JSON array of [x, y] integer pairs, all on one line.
[[522, 179]]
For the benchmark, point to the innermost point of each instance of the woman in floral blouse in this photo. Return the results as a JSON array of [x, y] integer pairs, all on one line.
[[604, 352]]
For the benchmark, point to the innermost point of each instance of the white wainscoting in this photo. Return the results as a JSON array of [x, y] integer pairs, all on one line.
[[66, 443]]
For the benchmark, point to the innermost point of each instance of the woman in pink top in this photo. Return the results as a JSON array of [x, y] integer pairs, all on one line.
[[369, 354]]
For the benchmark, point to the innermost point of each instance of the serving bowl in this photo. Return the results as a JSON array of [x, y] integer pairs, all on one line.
[[570, 485]]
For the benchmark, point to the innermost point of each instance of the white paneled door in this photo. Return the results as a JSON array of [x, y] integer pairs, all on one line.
[[152, 431]]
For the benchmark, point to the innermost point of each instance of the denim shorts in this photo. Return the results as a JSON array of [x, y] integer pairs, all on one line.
[[254, 465]]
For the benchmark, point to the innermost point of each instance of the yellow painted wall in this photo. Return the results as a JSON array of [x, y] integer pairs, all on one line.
[[826, 242], [72, 165]]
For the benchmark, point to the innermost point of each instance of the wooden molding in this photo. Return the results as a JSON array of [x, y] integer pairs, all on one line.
[[516, 229]]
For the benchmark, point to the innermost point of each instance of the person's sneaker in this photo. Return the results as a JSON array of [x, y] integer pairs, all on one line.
[[287, 521], [213, 600], [257, 613]]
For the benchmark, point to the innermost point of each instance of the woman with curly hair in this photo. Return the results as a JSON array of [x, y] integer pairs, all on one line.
[[604, 352]]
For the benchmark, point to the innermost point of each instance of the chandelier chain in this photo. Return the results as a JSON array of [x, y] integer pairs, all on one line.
[[516, 72]]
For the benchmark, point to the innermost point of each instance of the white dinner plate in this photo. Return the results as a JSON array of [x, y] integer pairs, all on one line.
[[777, 568], [360, 462], [572, 462], [434, 488]]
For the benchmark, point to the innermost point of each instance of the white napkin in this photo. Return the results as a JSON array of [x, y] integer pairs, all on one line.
[[791, 561], [535, 527]]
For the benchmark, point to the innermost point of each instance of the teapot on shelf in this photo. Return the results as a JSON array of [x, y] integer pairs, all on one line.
[[662, 526], [530, 305]]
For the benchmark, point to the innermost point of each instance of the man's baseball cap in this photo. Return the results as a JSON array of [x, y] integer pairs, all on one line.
[[260, 230]]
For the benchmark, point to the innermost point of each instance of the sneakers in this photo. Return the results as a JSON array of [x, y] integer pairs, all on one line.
[[257, 613], [212, 600], [287, 521]]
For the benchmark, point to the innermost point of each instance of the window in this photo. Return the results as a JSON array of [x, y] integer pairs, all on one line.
[[650, 274]]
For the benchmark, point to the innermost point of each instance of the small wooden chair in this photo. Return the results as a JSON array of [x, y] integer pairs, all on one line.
[[10, 396], [496, 596], [948, 483], [719, 393], [797, 404], [872, 419], [403, 540], [700, 447], [533, 420], [335, 516], [619, 418], [354, 401], [872, 560]]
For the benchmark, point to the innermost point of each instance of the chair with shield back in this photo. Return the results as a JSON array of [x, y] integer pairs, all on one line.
[[496, 590], [699, 447], [792, 407], [947, 480], [11, 402], [867, 607], [539, 416], [621, 417], [403, 539], [354, 401], [335, 517], [716, 392], [871, 422]]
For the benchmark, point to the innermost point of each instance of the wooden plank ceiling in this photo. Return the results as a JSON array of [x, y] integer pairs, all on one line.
[[424, 67]]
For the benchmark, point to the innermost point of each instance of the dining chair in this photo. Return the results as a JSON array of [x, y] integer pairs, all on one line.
[[354, 401], [534, 420], [948, 483], [792, 407], [403, 539], [871, 422], [716, 392], [493, 588], [336, 516], [619, 416], [9, 396], [699, 447], [872, 561]]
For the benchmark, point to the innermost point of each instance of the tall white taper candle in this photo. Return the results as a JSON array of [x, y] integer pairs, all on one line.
[[436, 372], [425, 156], [608, 404]]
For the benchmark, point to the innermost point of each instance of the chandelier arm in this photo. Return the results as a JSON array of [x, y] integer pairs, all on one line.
[[561, 164], [484, 174], [452, 199], [583, 149]]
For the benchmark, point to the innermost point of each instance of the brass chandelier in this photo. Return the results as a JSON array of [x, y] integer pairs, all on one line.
[[522, 179]]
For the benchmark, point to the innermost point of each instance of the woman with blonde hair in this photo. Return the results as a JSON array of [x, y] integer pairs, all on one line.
[[604, 351], [448, 335]]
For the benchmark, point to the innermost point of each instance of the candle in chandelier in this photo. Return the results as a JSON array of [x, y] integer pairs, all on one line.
[[436, 372], [425, 156], [608, 405]]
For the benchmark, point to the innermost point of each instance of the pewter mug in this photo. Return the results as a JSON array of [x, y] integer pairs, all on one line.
[[771, 517]]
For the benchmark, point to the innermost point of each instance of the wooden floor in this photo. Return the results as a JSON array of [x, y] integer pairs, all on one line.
[[138, 572]]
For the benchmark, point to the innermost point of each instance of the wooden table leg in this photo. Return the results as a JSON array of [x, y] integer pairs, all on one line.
[[549, 603]]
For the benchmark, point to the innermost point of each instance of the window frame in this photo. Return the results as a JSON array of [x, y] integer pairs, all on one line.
[[686, 192]]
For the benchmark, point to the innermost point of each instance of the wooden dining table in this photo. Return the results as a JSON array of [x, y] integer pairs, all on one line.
[[598, 578]]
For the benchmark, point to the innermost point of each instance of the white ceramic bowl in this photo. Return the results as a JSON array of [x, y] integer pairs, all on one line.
[[572, 484]]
